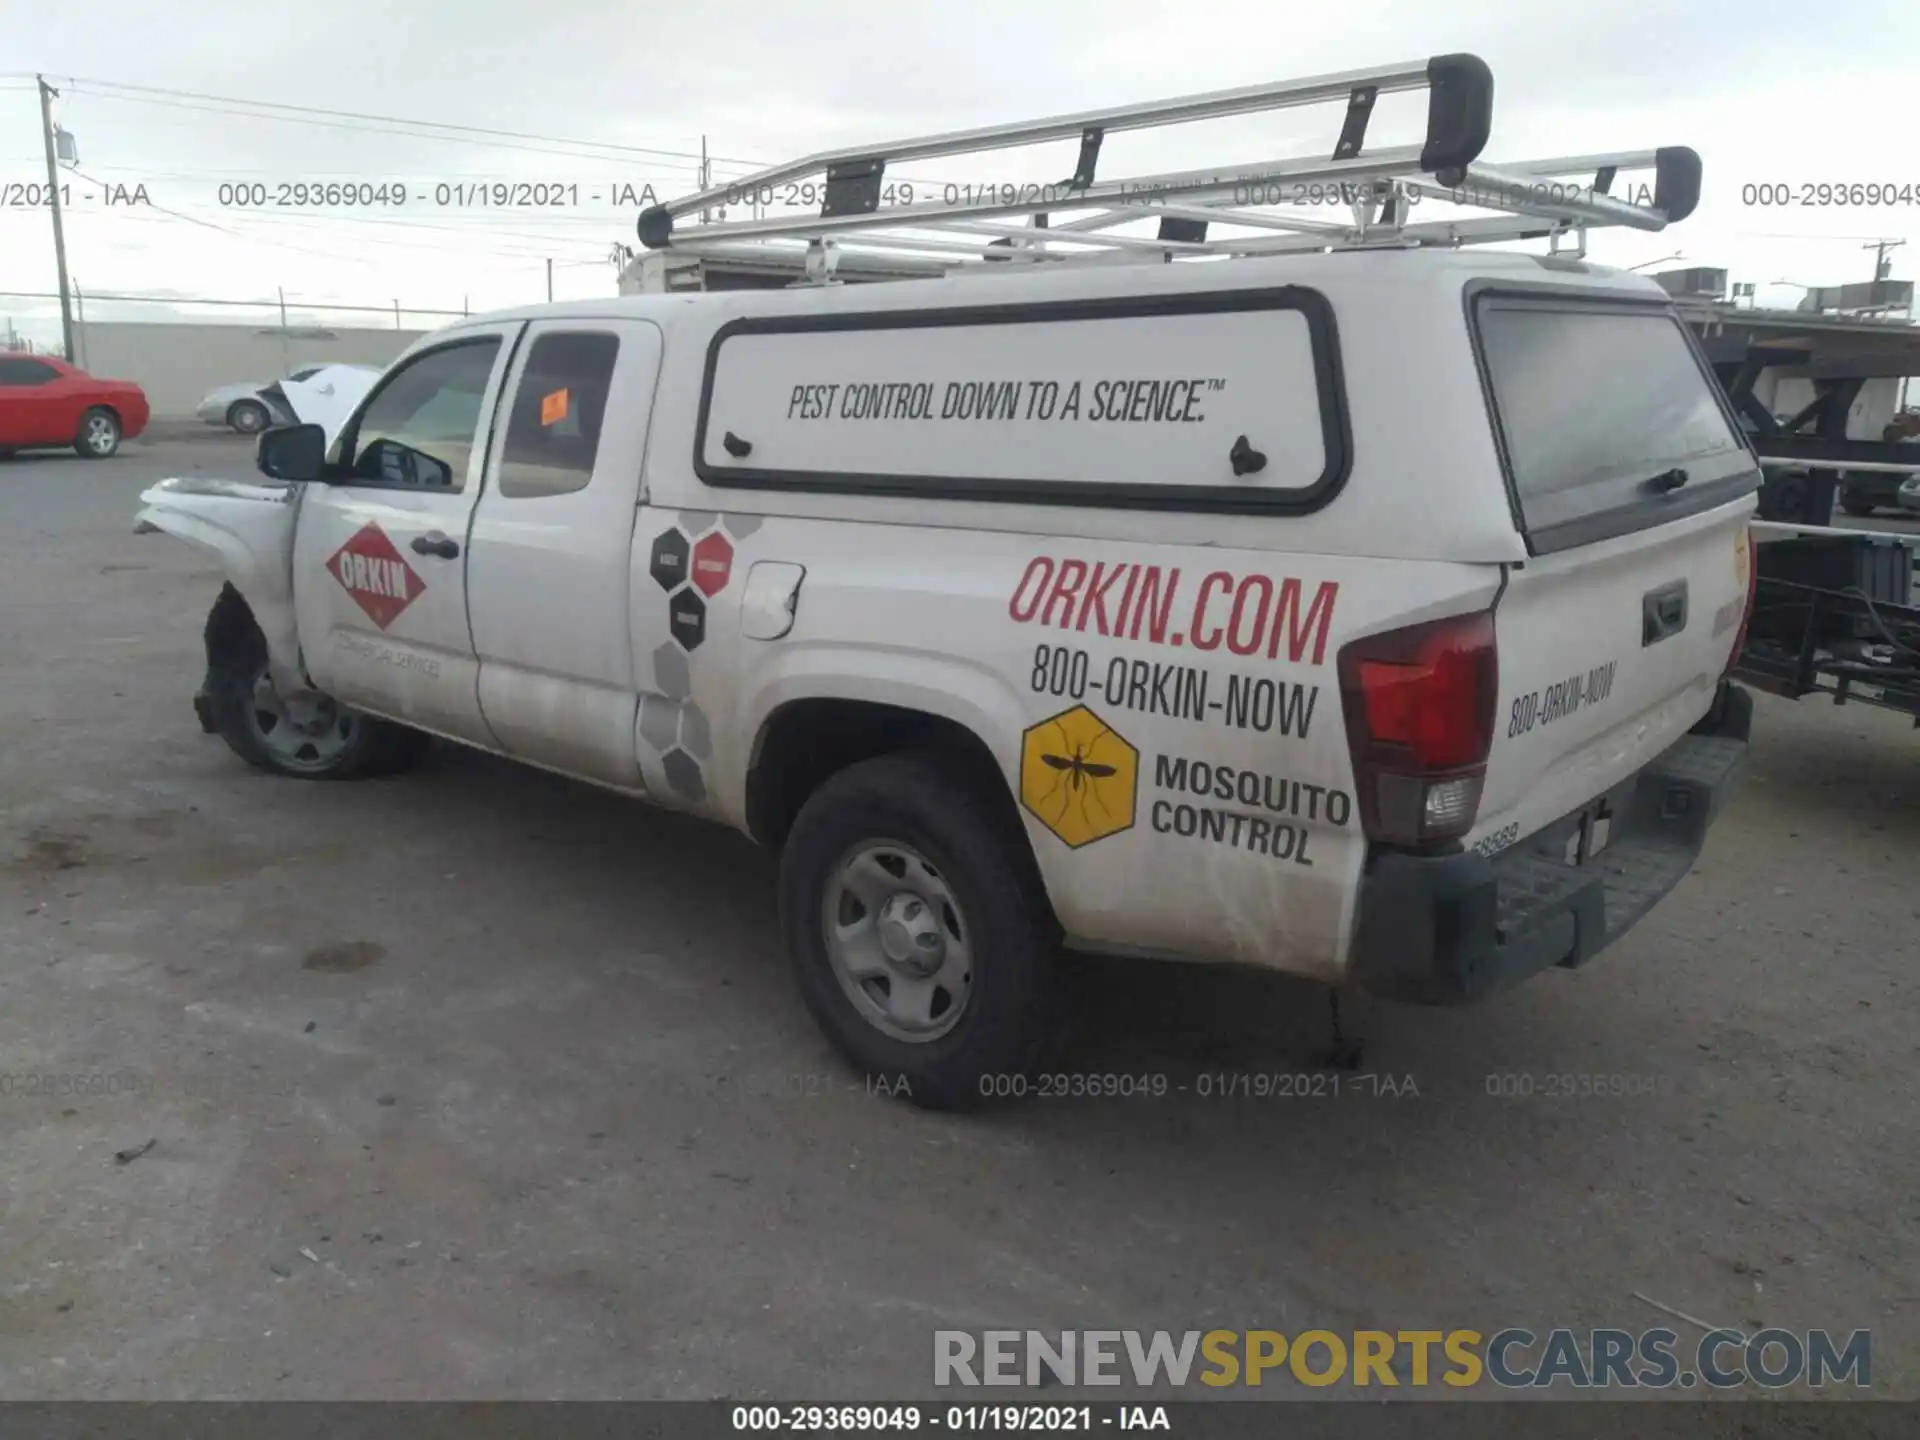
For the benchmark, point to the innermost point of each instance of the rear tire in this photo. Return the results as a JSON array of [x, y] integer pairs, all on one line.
[[313, 738], [900, 883], [1857, 505], [99, 434], [249, 417]]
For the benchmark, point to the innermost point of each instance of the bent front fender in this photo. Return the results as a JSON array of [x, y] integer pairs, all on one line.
[[249, 529]]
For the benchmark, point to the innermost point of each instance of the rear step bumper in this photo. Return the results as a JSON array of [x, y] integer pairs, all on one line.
[[1448, 929]]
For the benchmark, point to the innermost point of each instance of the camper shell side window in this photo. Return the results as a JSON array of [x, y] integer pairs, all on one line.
[[1228, 402]]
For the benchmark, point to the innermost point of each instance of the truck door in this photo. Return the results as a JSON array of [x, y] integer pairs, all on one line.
[[548, 568], [380, 557]]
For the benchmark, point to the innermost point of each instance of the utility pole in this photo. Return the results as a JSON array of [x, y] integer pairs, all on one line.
[[549, 279], [47, 92], [1881, 265], [706, 175]]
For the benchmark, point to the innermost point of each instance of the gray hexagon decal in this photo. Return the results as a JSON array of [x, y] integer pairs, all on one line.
[[695, 733], [741, 526], [696, 520], [683, 774], [659, 720], [670, 673]]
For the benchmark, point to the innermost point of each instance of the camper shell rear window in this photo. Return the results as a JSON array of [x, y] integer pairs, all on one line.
[[1224, 401], [1607, 418]]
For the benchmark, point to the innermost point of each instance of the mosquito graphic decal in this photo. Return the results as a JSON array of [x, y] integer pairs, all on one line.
[[1078, 776], [1078, 767]]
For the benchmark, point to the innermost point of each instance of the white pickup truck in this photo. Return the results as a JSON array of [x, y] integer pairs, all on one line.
[[1360, 615]]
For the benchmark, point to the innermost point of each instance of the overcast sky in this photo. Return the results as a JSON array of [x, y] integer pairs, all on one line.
[[1766, 91]]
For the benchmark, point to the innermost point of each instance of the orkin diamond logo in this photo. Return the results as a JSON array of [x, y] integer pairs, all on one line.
[[372, 571]]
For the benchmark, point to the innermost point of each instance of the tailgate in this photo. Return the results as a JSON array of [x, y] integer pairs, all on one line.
[[1633, 487]]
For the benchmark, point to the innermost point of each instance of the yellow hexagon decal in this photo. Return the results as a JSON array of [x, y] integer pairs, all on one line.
[[1078, 776]]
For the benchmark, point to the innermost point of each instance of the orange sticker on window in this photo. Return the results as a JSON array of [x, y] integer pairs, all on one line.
[[553, 407]]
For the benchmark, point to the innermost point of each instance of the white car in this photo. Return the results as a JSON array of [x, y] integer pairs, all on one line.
[[1909, 493], [250, 407], [1362, 613]]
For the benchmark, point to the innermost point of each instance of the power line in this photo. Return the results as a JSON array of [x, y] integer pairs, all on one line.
[[466, 232], [326, 117], [103, 296], [318, 115], [1796, 235], [237, 235], [358, 129], [446, 251], [395, 248], [506, 253], [620, 213], [399, 120], [323, 218], [358, 172]]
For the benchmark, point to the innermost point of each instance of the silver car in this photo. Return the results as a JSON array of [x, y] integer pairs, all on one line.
[[1909, 493], [250, 407]]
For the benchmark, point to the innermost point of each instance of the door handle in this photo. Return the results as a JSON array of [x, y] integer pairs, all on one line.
[[1663, 613], [435, 543]]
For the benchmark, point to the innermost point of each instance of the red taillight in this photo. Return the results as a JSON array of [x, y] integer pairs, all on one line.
[[1419, 706]]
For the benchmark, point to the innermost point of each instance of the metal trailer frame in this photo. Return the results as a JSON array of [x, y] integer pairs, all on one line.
[[1813, 440], [1807, 639], [971, 232]]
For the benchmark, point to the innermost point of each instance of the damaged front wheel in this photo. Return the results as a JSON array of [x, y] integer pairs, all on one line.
[[304, 734], [308, 735]]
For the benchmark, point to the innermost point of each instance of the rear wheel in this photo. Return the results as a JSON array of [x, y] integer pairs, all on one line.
[[308, 735], [919, 938], [249, 417], [1857, 504], [99, 435]]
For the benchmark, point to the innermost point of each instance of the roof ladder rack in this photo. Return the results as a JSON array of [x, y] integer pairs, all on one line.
[[1190, 208]]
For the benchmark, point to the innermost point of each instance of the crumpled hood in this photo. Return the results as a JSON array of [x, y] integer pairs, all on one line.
[[325, 398], [275, 492]]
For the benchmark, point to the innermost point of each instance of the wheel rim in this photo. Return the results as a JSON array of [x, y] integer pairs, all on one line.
[[249, 419], [898, 941], [310, 732], [100, 435]]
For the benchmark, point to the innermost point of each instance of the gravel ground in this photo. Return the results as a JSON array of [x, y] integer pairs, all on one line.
[[478, 1083]]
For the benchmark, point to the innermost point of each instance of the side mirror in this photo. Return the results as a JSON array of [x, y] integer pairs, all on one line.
[[296, 453], [388, 462]]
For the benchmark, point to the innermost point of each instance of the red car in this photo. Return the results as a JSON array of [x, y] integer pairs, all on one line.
[[46, 403]]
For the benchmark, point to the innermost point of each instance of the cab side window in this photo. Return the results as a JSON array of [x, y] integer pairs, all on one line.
[[553, 433], [430, 405]]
